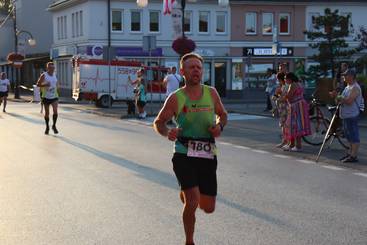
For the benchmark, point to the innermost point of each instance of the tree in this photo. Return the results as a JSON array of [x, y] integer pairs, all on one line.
[[328, 36], [5, 5], [361, 37]]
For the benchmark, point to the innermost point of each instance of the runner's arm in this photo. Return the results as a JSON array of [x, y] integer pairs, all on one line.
[[220, 111], [167, 112], [41, 80]]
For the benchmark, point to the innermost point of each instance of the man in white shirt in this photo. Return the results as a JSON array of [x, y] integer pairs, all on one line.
[[172, 81], [4, 89]]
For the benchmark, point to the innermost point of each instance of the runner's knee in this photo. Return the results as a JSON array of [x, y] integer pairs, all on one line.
[[191, 204]]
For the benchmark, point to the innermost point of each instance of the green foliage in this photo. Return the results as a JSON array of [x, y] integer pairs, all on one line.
[[361, 36], [328, 36], [5, 5], [362, 78]]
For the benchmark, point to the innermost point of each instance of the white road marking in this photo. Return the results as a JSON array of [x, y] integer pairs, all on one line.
[[261, 151], [305, 161], [361, 174], [281, 156], [242, 147], [332, 167], [224, 143]]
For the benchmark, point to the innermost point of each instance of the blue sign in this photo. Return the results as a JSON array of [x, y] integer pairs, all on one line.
[[127, 51]]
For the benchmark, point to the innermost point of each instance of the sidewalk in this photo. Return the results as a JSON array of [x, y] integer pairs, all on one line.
[[119, 109]]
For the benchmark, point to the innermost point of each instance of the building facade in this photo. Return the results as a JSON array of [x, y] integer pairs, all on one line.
[[82, 28], [238, 42], [266, 33], [32, 20]]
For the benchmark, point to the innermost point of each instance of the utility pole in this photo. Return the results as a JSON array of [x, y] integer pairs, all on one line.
[[16, 87]]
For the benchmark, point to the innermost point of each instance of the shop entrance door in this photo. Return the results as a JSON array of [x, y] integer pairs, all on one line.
[[220, 78]]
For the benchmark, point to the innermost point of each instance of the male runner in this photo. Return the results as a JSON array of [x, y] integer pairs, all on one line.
[[48, 84], [4, 89], [195, 107]]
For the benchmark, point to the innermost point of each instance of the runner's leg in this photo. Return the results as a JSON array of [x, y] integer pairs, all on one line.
[[47, 117], [191, 197], [5, 102], [207, 203], [54, 116]]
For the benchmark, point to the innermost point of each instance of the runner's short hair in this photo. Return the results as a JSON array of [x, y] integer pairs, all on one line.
[[190, 55]]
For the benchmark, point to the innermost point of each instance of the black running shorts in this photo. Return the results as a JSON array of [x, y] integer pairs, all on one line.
[[46, 101], [193, 171], [3, 94]]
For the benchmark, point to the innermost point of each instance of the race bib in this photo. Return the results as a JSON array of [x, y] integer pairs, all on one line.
[[201, 149]]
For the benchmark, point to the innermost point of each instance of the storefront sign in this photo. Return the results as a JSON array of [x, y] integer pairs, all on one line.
[[126, 51], [267, 52]]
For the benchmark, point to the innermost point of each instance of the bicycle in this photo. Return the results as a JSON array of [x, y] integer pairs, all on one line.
[[320, 124]]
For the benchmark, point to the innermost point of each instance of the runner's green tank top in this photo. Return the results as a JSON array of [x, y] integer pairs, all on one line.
[[194, 117]]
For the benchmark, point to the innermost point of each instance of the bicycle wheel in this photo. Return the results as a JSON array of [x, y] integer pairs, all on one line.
[[341, 138], [319, 126]]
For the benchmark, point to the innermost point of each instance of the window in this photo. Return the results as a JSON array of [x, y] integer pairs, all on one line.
[[221, 22], [136, 21], [72, 25], [154, 21], [58, 28], [284, 23], [117, 24], [267, 23], [187, 23], [81, 23], [204, 22], [77, 24], [250, 23], [65, 30], [61, 28], [237, 74], [312, 21]]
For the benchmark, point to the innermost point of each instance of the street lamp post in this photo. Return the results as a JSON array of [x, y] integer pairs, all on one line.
[[31, 42]]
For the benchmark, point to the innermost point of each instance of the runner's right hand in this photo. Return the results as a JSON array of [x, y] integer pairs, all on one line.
[[173, 133]]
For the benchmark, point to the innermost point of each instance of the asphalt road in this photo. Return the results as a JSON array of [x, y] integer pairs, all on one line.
[[108, 181]]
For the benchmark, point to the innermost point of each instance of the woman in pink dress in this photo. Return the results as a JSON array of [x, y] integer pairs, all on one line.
[[298, 122]]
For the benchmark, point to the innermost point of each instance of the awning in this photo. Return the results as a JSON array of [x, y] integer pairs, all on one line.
[[3, 63]]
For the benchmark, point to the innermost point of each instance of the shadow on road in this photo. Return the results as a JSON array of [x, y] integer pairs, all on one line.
[[165, 179], [92, 124], [27, 119]]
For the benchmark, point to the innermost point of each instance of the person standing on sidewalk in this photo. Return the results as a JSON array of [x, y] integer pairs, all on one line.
[[4, 89], [281, 106], [351, 102], [50, 96], [298, 121], [140, 93], [172, 81], [195, 107], [271, 83]]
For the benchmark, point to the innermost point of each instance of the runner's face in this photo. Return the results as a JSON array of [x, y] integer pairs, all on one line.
[[50, 69], [3, 76], [192, 71]]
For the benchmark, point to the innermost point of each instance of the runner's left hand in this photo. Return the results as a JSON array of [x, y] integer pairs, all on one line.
[[215, 130]]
